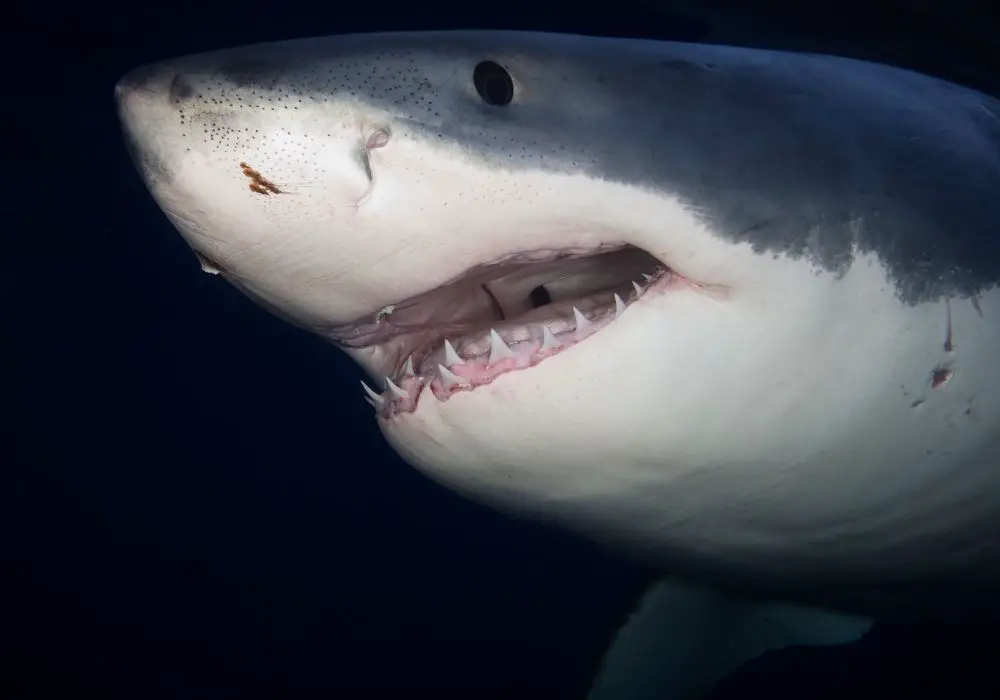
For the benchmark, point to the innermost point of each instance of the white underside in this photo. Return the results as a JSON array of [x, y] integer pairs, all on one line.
[[783, 426], [790, 429]]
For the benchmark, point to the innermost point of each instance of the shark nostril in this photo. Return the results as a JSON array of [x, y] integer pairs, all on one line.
[[142, 79], [180, 90], [151, 84]]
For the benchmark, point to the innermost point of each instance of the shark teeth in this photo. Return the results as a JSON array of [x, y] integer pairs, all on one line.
[[397, 391], [549, 340], [490, 355], [449, 378], [450, 356], [619, 306], [372, 397], [498, 349]]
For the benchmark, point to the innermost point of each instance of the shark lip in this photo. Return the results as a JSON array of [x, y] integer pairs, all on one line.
[[497, 318]]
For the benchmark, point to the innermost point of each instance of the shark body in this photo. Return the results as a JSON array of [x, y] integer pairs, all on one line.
[[731, 312]]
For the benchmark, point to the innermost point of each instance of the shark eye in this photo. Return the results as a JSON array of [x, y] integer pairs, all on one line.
[[493, 83]]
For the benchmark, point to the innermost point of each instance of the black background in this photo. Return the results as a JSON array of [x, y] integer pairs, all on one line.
[[196, 502]]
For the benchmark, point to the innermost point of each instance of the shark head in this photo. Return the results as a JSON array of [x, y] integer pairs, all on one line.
[[729, 310]]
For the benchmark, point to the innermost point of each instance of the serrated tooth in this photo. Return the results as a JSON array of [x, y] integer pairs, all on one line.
[[581, 320], [450, 356], [397, 391], [549, 340], [648, 278], [619, 306], [498, 349], [637, 288], [449, 378], [408, 368], [374, 398]]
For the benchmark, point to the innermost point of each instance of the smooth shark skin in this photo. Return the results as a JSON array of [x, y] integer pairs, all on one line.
[[807, 410]]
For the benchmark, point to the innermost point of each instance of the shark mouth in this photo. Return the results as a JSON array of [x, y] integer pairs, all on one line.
[[501, 317]]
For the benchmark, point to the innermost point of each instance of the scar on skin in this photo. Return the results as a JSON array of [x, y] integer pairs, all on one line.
[[259, 183], [941, 376], [970, 409], [949, 345]]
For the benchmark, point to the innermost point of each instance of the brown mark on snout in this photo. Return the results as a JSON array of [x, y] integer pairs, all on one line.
[[259, 183]]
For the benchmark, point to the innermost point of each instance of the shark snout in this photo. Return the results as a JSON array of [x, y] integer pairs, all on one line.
[[146, 81], [148, 101], [157, 91]]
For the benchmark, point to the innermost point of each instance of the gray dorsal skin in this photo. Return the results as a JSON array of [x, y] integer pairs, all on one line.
[[716, 143], [801, 401]]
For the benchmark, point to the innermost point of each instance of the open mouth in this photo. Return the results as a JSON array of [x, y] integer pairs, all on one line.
[[501, 317]]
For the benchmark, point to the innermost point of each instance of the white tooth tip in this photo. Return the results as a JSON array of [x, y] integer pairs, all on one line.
[[374, 398], [450, 356], [397, 391], [619, 305], [648, 278], [498, 349], [581, 320], [549, 340], [637, 288], [450, 378], [408, 367]]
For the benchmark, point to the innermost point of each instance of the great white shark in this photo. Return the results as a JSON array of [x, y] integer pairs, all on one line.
[[731, 312]]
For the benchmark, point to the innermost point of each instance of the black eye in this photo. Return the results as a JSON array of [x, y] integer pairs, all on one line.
[[493, 83]]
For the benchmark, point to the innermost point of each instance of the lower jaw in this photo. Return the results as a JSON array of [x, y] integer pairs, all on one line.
[[443, 371]]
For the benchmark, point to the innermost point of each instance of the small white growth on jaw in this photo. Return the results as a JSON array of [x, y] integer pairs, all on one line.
[[384, 312], [206, 266]]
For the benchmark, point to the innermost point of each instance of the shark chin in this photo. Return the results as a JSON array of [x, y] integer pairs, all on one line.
[[732, 313]]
